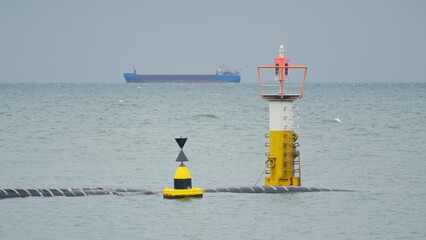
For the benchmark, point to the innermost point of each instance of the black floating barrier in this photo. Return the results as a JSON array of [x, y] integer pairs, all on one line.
[[72, 192], [80, 192], [272, 189]]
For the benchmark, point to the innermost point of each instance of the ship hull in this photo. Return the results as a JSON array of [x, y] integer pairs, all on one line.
[[139, 78]]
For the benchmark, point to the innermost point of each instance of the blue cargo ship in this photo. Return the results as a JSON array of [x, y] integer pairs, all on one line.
[[223, 75]]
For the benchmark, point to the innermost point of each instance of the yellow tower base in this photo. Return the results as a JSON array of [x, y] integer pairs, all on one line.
[[281, 160]]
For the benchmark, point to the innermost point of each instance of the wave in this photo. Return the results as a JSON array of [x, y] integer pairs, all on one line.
[[205, 116], [336, 120]]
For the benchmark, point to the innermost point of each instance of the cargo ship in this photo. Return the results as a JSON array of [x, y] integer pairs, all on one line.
[[223, 75]]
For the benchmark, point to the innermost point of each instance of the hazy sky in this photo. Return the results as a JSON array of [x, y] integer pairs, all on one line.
[[96, 41]]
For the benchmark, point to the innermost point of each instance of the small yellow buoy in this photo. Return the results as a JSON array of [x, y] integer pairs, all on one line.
[[182, 181]]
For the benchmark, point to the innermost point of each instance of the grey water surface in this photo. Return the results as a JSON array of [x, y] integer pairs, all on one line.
[[364, 137]]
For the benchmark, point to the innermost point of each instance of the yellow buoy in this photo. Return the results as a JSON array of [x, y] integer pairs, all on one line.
[[182, 181]]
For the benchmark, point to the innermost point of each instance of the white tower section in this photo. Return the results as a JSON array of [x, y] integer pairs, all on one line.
[[282, 115]]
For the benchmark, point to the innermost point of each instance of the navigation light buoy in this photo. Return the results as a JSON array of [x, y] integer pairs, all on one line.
[[283, 157]]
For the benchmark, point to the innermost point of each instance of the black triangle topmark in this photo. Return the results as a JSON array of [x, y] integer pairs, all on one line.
[[181, 141], [181, 157]]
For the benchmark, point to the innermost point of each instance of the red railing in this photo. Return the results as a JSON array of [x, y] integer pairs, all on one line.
[[282, 94]]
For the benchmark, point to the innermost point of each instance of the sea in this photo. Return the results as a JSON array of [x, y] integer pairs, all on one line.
[[365, 137]]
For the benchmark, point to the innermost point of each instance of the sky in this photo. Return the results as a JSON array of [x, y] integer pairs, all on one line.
[[97, 41]]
